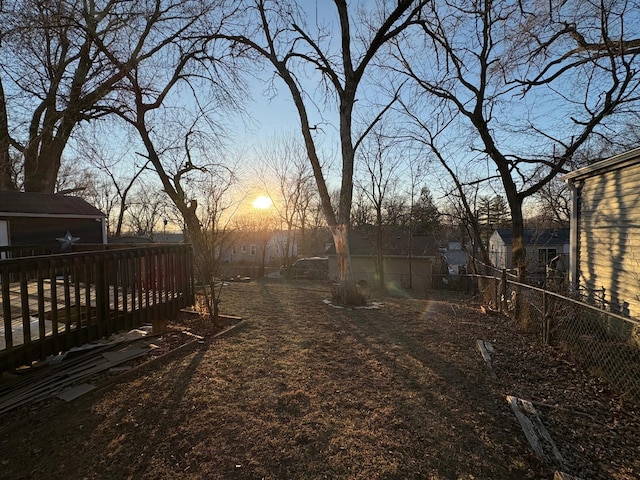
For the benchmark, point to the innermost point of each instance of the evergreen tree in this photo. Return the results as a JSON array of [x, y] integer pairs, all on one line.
[[425, 215]]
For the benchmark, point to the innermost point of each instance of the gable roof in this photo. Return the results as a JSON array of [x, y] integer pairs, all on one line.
[[532, 236], [395, 244], [42, 205]]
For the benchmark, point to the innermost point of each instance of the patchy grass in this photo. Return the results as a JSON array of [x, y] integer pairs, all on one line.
[[303, 390]]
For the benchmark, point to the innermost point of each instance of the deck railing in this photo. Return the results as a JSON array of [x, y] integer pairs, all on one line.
[[51, 303], [7, 252]]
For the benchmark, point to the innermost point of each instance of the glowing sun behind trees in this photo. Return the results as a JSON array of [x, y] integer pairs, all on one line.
[[262, 202]]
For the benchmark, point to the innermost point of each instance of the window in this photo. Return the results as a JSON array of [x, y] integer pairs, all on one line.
[[244, 249], [545, 255], [234, 250], [253, 249]]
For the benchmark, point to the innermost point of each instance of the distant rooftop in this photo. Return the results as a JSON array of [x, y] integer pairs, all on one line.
[[532, 236], [395, 243]]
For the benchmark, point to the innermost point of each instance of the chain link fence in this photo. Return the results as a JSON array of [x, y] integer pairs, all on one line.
[[604, 342]]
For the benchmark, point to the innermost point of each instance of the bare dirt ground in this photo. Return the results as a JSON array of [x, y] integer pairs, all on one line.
[[303, 390]]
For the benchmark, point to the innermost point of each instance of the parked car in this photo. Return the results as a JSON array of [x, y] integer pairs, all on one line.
[[312, 267]]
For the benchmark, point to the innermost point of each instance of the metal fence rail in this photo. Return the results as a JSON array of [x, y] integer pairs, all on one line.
[[604, 342]]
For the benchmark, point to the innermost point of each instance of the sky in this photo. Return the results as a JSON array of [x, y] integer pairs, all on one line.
[[277, 115]]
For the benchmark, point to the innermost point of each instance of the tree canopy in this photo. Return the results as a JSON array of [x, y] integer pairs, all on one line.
[[504, 96]]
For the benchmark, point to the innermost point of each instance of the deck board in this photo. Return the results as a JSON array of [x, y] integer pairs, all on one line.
[[17, 322]]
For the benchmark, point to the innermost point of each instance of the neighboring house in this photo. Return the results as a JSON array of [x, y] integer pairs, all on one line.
[[605, 232], [409, 260], [249, 248], [281, 243], [52, 222], [542, 247], [456, 258]]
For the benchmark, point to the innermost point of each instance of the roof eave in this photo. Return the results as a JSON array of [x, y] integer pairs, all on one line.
[[617, 161], [50, 215]]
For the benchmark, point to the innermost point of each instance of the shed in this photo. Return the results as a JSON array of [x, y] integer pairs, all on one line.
[[605, 232], [52, 222], [409, 260], [541, 245]]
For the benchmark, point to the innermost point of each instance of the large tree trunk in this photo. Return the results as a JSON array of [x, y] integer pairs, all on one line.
[[348, 289], [6, 166], [41, 172], [42, 155], [519, 253], [379, 251]]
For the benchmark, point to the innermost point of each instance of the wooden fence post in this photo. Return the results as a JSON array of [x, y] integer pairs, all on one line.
[[504, 308], [545, 319]]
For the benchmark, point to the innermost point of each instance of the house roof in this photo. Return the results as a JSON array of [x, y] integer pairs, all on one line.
[[630, 157], [42, 205], [532, 236], [395, 244]]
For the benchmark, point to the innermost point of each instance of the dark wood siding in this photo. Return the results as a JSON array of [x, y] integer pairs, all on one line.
[[44, 231]]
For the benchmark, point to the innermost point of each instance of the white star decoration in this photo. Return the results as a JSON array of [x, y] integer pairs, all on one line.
[[67, 240]]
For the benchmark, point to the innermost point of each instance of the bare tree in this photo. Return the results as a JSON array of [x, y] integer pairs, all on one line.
[[362, 213], [179, 143], [73, 179], [216, 211], [534, 82], [143, 212], [313, 227], [463, 194], [553, 204], [277, 32], [286, 174], [117, 165], [378, 182], [64, 62]]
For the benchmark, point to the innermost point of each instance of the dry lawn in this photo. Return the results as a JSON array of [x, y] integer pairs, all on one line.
[[303, 390]]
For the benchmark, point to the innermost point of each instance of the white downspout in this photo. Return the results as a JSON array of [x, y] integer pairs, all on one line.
[[573, 236], [103, 222]]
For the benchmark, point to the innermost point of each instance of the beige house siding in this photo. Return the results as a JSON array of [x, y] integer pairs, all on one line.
[[605, 232], [608, 238]]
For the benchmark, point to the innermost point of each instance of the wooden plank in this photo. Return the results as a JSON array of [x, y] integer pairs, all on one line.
[[564, 476], [486, 348], [121, 356], [71, 393], [54, 381], [533, 428]]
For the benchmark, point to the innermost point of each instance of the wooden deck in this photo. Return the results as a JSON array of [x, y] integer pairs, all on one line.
[[118, 301], [49, 304]]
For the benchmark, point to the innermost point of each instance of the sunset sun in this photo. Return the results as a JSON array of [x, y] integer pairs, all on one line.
[[262, 202]]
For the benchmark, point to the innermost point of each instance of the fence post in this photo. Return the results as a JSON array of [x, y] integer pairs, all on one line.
[[503, 293], [545, 320]]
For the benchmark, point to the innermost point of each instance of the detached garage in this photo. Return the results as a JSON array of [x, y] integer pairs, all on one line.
[[52, 222], [409, 260]]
